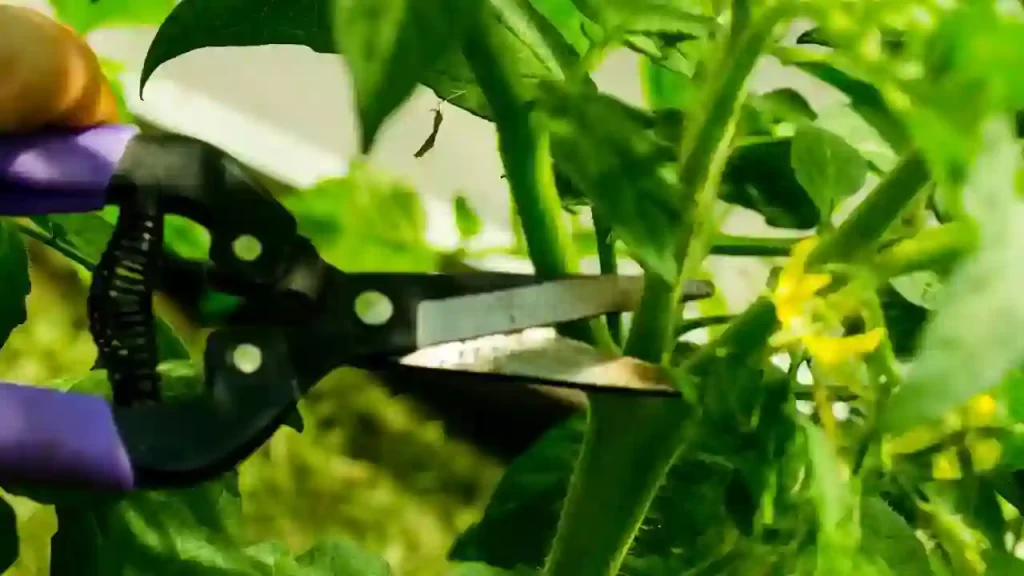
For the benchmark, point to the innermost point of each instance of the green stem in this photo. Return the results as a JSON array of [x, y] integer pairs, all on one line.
[[47, 240], [630, 443], [729, 245], [704, 152], [860, 232], [703, 322], [741, 13], [609, 264], [935, 248], [526, 155]]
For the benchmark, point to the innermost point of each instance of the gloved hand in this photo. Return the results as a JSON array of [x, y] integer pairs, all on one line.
[[59, 144], [51, 78]]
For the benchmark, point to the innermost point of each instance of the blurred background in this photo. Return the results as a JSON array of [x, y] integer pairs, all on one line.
[[372, 465]]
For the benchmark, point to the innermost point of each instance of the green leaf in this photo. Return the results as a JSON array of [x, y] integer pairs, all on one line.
[[676, 17], [885, 535], [550, 29], [602, 146], [14, 271], [466, 219], [563, 16], [84, 234], [686, 524], [481, 569], [85, 16], [904, 318], [390, 46], [383, 228], [827, 167], [196, 530], [865, 99], [522, 514], [785, 105], [759, 176], [1000, 563], [971, 342], [664, 88], [9, 544], [36, 523], [197, 24], [166, 532], [337, 557]]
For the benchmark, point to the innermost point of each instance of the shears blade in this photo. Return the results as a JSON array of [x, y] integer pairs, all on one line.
[[545, 358], [467, 316]]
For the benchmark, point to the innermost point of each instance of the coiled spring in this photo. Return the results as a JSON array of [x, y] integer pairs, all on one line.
[[120, 307]]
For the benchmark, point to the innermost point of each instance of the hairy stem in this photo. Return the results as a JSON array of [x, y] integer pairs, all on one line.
[[630, 443], [705, 149], [526, 155]]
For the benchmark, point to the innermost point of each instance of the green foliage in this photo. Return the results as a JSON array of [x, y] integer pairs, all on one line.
[[8, 536], [14, 268], [902, 455], [84, 16], [466, 219], [604, 147], [389, 46], [826, 166], [968, 347]]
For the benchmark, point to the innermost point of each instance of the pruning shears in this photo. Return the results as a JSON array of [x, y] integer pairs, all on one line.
[[294, 318]]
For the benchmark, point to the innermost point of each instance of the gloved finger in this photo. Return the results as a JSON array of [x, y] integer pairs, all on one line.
[[51, 77], [58, 439], [60, 171]]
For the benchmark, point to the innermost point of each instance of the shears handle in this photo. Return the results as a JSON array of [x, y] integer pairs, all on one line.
[[60, 439], [60, 171]]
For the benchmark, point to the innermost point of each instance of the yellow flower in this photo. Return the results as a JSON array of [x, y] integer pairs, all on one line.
[[802, 313], [946, 465], [981, 411], [984, 456]]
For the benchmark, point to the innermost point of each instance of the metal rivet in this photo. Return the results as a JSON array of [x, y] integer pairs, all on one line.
[[247, 247], [374, 308], [247, 358]]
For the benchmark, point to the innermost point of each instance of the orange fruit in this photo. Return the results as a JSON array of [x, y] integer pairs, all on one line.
[[48, 75]]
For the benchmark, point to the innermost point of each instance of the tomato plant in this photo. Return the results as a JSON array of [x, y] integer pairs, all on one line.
[[860, 417]]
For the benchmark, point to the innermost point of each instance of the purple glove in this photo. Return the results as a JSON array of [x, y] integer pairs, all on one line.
[[60, 439], [59, 171]]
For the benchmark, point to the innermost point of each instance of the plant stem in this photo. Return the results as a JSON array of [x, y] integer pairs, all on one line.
[[705, 150], [47, 240], [630, 443], [609, 263], [860, 232], [526, 155], [730, 245], [931, 249], [703, 322]]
